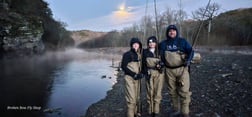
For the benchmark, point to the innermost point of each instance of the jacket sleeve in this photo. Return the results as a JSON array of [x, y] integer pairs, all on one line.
[[125, 60], [161, 49]]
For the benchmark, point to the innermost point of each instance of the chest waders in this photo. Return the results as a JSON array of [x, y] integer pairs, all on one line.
[[154, 85], [132, 90], [178, 80], [175, 60]]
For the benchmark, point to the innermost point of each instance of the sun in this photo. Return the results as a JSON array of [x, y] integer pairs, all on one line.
[[122, 7], [121, 11]]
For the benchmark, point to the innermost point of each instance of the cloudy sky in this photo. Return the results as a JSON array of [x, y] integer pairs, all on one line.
[[107, 15]]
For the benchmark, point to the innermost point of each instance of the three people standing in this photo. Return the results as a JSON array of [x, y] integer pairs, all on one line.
[[174, 55]]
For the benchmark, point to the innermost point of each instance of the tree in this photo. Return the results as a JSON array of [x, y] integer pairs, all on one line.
[[207, 14], [180, 16], [147, 26]]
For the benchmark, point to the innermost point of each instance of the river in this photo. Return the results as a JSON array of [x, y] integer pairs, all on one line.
[[57, 84]]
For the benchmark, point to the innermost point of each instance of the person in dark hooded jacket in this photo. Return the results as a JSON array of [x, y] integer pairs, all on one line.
[[177, 53], [131, 65]]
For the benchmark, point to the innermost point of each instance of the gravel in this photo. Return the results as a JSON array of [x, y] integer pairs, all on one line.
[[221, 86]]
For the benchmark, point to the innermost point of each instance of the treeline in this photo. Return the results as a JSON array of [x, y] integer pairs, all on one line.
[[229, 28], [234, 27], [55, 35]]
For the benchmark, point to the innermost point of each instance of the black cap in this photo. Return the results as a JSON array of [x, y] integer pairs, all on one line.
[[152, 39], [172, 27]]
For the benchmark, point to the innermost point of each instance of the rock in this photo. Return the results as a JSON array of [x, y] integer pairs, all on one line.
[[103, 76], [234, 66], [23, 35], [199, 115], [217, 115], [226, 75], [52, 110]]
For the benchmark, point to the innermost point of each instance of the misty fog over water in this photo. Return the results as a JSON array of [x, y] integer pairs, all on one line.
[[67, 82]]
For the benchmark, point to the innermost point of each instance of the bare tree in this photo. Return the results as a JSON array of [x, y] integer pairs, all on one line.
[[147, 25], [207, 14], [166, 18], [210, 12], [180, 16]]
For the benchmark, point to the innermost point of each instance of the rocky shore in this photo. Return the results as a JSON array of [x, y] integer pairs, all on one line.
[[221, 86]]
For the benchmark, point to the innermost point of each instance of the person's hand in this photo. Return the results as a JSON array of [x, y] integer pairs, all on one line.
[[138, 76], [160, 65]]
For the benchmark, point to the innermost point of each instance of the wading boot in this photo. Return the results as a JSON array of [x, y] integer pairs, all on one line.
[[155, 115], [137, 115], [175, 113]]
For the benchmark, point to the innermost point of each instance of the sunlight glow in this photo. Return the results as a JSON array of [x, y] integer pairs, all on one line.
[[122, 11], [122, 7]]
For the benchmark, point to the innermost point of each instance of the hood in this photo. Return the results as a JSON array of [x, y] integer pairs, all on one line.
[[171, 27], [135, 40]]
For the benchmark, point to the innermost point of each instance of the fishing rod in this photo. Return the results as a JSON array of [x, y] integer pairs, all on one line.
[[196, 58], [157, 29], [139, 88], [139, 103], [156, 20], [196, 36]]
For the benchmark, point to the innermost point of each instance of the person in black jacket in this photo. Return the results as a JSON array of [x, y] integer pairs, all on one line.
[[152, 68], [131, 65]]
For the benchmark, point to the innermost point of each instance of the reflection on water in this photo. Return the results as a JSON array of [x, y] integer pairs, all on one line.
[[79, 84], [69, 81]]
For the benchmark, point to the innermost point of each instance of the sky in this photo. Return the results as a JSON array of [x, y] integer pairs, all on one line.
[[108, 15]]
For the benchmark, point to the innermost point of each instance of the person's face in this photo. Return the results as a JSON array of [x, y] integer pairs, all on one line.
[[135, 46], [152, 44], [172, 33]]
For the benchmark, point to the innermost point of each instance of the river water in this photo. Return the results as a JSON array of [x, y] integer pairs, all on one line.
[[58, 84]]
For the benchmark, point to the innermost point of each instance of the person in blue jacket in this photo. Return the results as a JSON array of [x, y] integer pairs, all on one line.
[[132, 67], [177, 53]]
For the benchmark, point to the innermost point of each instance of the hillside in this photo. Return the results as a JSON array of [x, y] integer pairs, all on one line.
[[85, 35], [230, 28]]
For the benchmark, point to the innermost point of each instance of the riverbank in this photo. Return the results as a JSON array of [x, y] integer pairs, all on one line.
[[220, 85]]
